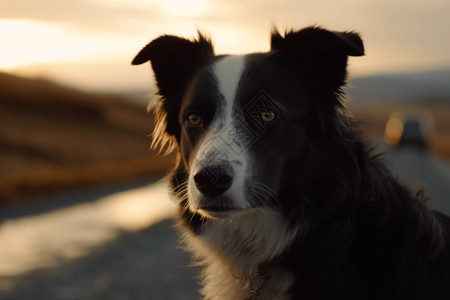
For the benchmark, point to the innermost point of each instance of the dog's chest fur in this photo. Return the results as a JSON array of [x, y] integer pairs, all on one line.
[[240, 255]]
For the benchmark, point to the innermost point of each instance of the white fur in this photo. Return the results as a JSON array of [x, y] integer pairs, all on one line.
[[217, 143], [232, 249]]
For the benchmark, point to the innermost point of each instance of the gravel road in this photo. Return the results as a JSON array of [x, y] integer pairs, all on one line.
[[141, 265]]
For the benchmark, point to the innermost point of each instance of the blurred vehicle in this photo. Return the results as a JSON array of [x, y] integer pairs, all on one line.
[[412, 127]]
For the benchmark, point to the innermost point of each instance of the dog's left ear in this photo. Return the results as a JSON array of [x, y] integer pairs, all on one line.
[[174, 61], [319, 55]]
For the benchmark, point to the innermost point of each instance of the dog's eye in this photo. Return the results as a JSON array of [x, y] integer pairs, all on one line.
[[268, 116], [194, 120]]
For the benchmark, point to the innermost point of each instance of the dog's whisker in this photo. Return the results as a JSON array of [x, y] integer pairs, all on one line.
[[266, 192], [258, 198]]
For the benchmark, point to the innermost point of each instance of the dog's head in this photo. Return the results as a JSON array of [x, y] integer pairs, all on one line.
[[244, 124]]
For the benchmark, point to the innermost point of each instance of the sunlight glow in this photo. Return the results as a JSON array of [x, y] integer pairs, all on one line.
[[31, 43], [178, 8], [113, 30], [28, 42], [181, 8]]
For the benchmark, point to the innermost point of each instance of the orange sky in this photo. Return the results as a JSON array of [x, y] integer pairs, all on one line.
[[89, 44]]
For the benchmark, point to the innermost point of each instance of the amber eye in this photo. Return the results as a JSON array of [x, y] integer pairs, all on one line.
[[268, 116], [194, 120]]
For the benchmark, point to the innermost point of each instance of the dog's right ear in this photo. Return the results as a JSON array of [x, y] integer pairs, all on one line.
[[174, 61]]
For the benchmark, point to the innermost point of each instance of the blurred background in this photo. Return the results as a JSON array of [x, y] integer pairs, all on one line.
[[83, 213]]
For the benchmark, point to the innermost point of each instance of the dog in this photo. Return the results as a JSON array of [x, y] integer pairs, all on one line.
[[279, 197]]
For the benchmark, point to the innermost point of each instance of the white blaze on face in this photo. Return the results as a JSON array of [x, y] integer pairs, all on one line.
[[228, 73], [223, 141]]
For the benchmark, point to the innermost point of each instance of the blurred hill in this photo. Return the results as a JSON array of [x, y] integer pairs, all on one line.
[[432, 87], [54, 138]]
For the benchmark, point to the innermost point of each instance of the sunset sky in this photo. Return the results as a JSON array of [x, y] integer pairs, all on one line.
[[90, 43]]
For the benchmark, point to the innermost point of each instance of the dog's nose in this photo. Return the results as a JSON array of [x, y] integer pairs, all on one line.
[[214, 179]]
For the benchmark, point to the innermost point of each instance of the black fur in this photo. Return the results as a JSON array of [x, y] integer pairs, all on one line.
[[363, 235]]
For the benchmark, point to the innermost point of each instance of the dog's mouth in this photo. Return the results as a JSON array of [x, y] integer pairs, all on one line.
[[216, 208], [217, 211]]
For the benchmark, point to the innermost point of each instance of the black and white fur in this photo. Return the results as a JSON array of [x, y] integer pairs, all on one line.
[[279, 198]]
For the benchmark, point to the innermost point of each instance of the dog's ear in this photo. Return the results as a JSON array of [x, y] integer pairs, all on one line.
[[174, 61], [319, 55]]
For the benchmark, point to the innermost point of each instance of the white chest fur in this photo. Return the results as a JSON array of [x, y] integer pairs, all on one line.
[[231, 251]]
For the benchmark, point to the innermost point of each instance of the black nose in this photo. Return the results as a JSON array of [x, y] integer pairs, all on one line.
[[214, 179]]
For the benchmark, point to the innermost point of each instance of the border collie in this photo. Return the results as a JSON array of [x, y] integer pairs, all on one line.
[[278, 197]]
